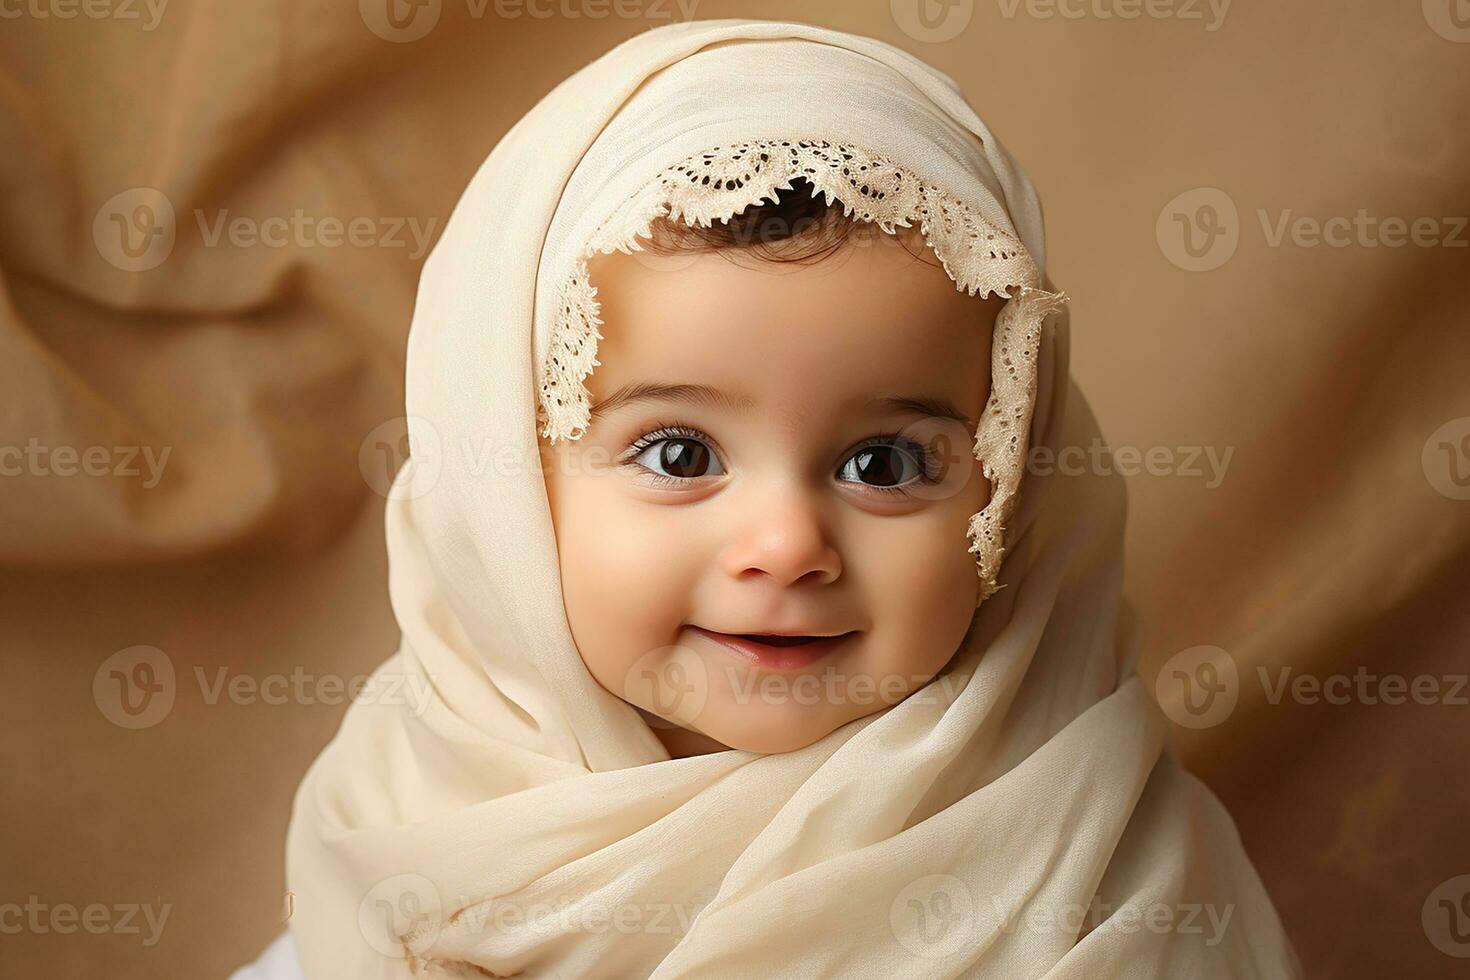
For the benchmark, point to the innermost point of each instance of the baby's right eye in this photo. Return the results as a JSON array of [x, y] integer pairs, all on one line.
[[676, 454]]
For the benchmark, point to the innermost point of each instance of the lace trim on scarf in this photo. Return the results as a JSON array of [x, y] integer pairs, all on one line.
[[979, 256]]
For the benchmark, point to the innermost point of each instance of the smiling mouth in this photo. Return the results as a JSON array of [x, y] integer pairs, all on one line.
[[774, 640], [779, 653]]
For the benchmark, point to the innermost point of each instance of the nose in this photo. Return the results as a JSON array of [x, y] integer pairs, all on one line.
[[787, 542]]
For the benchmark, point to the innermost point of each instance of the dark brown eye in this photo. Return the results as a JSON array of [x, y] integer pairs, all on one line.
[[680, 458], [882, 466]]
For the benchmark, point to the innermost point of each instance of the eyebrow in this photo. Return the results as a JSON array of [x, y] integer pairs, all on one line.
[[655, 392], [705, 395]]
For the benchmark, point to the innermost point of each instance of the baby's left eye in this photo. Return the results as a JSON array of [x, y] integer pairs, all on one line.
[[886, 465]]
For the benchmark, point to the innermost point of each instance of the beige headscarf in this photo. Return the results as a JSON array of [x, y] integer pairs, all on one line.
[[1017, 817]]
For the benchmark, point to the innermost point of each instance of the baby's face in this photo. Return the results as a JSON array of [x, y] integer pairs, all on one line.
[[774, 490]]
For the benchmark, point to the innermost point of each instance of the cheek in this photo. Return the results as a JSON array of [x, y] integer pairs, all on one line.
[[623, 586], [923, 585]]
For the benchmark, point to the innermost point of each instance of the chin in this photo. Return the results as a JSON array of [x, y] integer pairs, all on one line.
[[772, 742]]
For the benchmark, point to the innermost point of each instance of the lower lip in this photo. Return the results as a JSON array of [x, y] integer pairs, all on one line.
[[776, 658]]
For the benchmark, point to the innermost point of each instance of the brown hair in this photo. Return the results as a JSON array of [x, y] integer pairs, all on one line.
[[795, 225]]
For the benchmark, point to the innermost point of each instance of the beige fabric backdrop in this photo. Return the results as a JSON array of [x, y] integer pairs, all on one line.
[[1327, 538]]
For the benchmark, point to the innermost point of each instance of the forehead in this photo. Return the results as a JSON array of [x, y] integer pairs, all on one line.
[[871, 315]]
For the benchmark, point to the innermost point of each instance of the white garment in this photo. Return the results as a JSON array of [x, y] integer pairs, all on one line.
[[279, 962], [1018, 817]]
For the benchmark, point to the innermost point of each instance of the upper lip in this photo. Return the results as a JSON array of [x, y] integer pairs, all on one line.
[[770, 632]]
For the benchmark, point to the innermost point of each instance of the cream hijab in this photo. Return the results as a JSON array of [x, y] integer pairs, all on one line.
[[1017, 817]]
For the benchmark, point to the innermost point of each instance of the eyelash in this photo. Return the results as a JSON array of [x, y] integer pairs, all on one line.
[[663, 430], [674, 430]]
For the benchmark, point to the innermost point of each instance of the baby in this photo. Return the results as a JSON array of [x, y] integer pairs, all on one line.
[[758, 652], [774, 543]]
